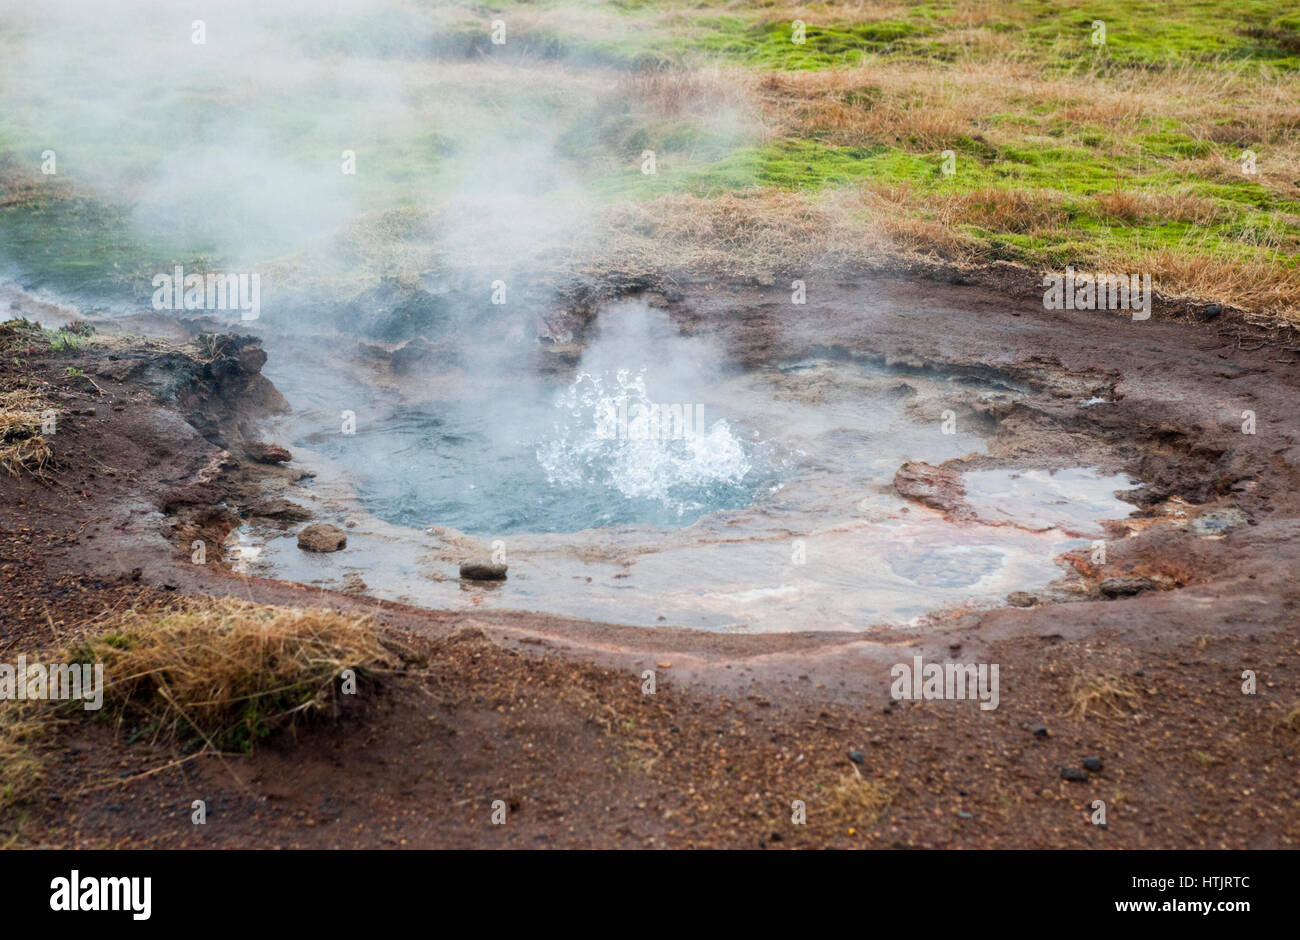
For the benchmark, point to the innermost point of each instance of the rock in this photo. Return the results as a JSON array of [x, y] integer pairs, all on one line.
[[1073, 774], [931, 486], [1218, 521], [393, 311], [482, 571], [353, 583], [1039, 731], [322, 538], [1092, 763], [280, 509], [251, 359], [962, 814], [467, 635], [1021, 599], [857, 757], [412, 354], [1126, 587], [266, 453]]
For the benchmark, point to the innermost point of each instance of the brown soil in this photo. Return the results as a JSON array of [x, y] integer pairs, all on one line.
[[548, 715]]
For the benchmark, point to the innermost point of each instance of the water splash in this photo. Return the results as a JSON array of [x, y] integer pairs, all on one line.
[[610, 435]]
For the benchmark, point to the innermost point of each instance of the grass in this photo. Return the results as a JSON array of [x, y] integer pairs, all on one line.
[[22, 417], [856, 801], [1104, 696], [226, 673], [216, 673], [20, 762]]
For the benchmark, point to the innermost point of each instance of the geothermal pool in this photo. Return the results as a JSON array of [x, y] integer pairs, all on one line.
[[774, 513]]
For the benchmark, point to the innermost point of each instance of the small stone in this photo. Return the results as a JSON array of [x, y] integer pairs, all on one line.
[[1073, 774], [857, 757], [1039, 731], [1092, 763], [322, 538], [1021, 599], [482, 571], [962, 814]]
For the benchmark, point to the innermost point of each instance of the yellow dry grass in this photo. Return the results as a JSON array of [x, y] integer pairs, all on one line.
[[857, 801], [1106, 696], [21, 445], [228, 672]]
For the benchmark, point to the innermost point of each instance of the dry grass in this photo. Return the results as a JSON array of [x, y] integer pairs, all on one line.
[[857, 801], [228, 672], [20, 767], [21, 445], [1255, 286], [1128, 206], [1105, 696]]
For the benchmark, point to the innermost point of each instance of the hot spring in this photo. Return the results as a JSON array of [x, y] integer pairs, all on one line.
[[655, 481]]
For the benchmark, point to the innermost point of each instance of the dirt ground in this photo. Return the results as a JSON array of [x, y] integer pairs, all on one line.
[[548, 715]]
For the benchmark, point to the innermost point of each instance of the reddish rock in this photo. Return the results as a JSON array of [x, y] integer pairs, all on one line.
[[934, 487], [267, 453]]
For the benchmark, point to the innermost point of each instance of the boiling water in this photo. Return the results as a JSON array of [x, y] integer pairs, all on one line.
[[764, 504]]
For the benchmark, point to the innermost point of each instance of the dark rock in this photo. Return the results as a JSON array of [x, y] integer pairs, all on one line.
[[857, 757], [1039, 731], [392, 312], [251, 359], [1073, 774], [1092, 763], [482, 571], [322, 538], [1126, 586]]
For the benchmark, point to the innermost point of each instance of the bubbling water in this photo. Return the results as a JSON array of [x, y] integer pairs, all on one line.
[[611, 438]]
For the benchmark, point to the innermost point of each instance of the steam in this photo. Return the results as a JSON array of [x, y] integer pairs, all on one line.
[[474, 164]]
